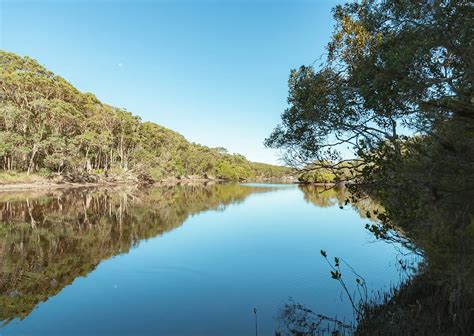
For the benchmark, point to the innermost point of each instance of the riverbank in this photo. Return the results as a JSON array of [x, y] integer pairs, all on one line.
[[52, 185], [64, 185], [324, 184], [37, 182]]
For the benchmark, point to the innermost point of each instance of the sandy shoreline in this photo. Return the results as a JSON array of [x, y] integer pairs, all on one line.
[[45, 185], [53, 185], [5, 187]]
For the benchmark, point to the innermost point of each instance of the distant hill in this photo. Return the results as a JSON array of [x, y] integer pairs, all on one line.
[[48, 127]]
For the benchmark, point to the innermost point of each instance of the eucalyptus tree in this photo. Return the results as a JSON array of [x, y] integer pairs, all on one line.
[[395, 87], [48, 125], [392, 68]]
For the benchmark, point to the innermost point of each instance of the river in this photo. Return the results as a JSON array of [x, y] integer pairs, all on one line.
[[182, 260]]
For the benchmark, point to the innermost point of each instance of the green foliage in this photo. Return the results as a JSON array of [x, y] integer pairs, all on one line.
[[47, 124], [396, 87], [392, 66], [11, 177], [317, 176]]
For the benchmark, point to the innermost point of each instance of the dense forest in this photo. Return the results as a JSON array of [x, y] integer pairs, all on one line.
[[396, 87], [49, 128]]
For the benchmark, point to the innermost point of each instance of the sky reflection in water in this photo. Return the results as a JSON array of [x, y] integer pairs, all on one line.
[[178, 261]]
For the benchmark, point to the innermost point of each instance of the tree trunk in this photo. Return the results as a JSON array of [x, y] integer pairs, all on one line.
[[32, 158]]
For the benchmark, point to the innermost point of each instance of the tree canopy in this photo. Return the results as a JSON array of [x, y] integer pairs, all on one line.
[[392, 68], [396, 88], [48, 126]]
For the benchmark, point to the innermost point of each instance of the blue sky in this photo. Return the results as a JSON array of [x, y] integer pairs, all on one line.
[[215, 71]]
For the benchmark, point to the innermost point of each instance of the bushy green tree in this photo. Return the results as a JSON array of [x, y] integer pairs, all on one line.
[[396, 88], [47, 124]]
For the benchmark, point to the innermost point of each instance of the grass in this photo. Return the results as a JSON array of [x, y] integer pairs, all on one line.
[[13, 177], [423, 305]]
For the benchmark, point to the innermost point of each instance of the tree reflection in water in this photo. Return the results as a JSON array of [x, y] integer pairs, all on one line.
[[48, 239], [436, 290], [296, 319]]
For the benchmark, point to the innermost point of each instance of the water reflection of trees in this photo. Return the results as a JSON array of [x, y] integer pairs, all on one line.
[[438, 293], [324, 197], [49, 239]]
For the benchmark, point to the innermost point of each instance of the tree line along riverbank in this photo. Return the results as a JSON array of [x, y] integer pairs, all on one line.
[[51, 131]]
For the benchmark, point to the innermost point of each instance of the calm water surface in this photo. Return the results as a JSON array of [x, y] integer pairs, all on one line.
[[184, 260]]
